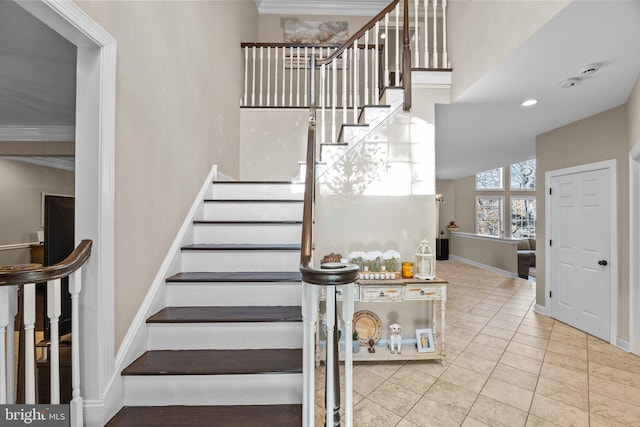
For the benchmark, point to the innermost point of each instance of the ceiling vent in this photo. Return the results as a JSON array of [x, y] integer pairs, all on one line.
[[570, 83], [589, 69]]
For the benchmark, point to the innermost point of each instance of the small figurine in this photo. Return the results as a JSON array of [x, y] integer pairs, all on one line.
[[371, 343], [395, 340]]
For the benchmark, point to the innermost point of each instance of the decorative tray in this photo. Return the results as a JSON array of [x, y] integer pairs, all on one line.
[[368, 325]]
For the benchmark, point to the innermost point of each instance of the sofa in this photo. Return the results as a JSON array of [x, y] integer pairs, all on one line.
[[526, 256]]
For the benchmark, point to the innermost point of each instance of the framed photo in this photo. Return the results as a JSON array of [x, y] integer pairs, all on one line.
[[424, 340]]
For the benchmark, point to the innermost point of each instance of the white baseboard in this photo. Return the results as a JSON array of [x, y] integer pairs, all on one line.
[[541, 309], [623, 344], [484, 266]]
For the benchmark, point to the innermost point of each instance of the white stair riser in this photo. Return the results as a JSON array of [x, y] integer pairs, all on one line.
[[230, 211], [260, 389], [252, 191], [393, 97], [233, 294], [247, 233], [374, 115], [353, 133], [223, 336], [218, 261]]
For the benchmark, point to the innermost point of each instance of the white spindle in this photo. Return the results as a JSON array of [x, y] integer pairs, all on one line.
[[11, 305], [416, 35], [334, 92], [53, 312], [386, 50], [284, 79], [268, 75], [331, 326], [397, 66], [75, 286], [29, 301], [345, 71], [445, 56], [356, 88], [246, 74], [323, 88], [328, 83], [253, 84], [5, 356], [435, 34], [310, 321], [261, 74], [291, 77], [426, 33], [275, 77], [366, 68], [306, 76], [376, 67], [347, 316], [298, 76]]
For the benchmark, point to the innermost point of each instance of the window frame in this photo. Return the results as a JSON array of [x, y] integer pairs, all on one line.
[[535, 182], [501, 199], [502, 180], [535, 225]]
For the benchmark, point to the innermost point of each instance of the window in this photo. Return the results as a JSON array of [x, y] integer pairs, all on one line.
[[523, 175], [490, 180], [489, 216], [523, 217]]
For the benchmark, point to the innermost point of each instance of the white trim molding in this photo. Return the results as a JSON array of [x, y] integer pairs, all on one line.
[[333, 7], [541, 309], [634, 249], [609, 165], [37, 133], [95, 166], [64, 163]]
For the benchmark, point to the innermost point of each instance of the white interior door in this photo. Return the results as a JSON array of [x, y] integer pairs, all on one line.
[[580, 239]]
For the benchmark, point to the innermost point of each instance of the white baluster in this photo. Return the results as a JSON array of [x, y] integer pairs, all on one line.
[[75, 286], [397, 69], [268, 75], [253, 84], [330, 397], [334, 91], [435, 34], [426, 33], [386, 50], [310, 321], [345, 72], [291, 77], [356, 88], [416, 34], [445, 56], [275, 77], [347, 316], [284, 78], [328, 83], [246, 74], [366, 68], [9, 305], [376, 67], [323, 88], [29, 301], [298, 77], [306, 76], [53, 312], [261, 75]]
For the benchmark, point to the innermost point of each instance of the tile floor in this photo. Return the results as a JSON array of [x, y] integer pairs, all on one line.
[[506, 366]]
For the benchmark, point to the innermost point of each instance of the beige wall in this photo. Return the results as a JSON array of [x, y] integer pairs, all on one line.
[[21, 188], [487, 31], [178, 92], [271, 27], [633, 114], [600, 137], [498, 253]]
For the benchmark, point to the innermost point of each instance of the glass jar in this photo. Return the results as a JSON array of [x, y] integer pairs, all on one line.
[[407, 270]]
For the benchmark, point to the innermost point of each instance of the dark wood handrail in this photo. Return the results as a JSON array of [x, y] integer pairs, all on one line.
[[369, 25], [307, 45], [35, 273]]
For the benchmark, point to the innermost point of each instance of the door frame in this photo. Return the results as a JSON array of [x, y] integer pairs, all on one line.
[[634, 249], [94, 188], [609, 165]]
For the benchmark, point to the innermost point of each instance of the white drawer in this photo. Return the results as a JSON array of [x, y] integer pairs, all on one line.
[[380, 293], [356, 293], [424, 292]]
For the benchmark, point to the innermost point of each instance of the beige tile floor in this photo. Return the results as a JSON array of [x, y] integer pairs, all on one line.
[[506, 366]]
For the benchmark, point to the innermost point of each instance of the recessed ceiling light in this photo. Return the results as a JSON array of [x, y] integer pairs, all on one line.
[[590, 68], [529, 102], [570, 83]]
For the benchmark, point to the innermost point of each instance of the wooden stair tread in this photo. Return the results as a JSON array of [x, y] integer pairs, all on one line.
[[242, 247], [241, 276], [217, 362], [227, 314], [206, 416]]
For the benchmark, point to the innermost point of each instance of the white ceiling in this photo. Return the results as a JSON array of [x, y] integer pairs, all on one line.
[[483, 128]]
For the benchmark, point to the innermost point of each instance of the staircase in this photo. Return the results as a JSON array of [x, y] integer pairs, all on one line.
[[227, 349]]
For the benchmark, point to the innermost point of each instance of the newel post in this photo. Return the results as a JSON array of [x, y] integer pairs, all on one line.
[[406, 58]]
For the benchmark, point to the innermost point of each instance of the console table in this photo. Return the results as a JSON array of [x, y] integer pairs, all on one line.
[[399, 291]]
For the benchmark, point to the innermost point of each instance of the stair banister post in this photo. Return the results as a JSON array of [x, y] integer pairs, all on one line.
[[406, 58], [54, 301], [75, 410]]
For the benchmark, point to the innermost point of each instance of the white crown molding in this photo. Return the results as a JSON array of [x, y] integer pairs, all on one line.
[[301, 7], [65, 163], [37, 133]]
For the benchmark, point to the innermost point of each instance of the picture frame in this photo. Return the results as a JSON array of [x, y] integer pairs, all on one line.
[[424, 340]]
